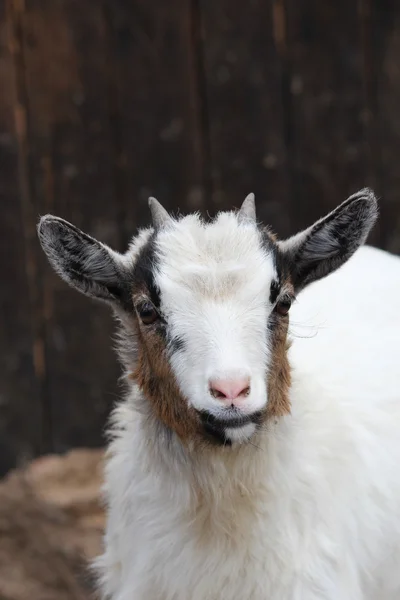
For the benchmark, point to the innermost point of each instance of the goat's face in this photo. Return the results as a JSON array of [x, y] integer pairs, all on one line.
[[204, 307], [209, 300]]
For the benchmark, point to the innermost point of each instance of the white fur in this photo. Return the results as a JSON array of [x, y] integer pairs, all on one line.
[[240, 434], [215, 281], [310, 510]]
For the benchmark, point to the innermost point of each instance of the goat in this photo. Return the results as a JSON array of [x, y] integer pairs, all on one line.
[[249, 461]]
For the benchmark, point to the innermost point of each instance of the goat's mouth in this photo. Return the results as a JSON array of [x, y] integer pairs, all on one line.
[[234, 428]]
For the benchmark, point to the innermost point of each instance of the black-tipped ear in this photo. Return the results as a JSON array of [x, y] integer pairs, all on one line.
[[83, 262], [331, 241]]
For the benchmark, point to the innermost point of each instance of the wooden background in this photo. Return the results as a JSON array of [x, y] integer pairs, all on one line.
[[199, 102]]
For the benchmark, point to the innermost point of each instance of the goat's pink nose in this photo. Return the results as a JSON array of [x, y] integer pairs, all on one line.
[[228, 390]]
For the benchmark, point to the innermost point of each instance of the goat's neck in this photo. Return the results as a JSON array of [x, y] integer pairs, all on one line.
[[208, 471]]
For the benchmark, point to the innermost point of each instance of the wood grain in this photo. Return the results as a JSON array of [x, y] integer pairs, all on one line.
[[196, 102]]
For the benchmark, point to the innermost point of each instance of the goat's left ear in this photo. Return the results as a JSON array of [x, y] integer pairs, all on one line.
[[85, 263], [331, 241]]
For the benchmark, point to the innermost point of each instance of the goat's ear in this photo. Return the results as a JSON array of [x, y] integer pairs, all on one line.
[[83, 262], [331, 241]]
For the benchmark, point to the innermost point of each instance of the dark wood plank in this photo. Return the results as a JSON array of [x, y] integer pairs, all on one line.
[[382, 25], [328, 107], [20, 400], [111, 117], [244, 50], [372, 139], [159, 146], [71, 164]]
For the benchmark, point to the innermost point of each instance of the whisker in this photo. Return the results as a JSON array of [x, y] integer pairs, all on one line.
[[255, 445]]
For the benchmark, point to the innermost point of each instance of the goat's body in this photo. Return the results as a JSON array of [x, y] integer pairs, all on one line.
[[312, 509]]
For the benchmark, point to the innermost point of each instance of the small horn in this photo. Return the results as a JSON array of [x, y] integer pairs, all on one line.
[[247, 212], [158, 213]]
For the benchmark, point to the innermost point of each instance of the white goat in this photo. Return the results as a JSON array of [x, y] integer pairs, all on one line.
[[232, 476]]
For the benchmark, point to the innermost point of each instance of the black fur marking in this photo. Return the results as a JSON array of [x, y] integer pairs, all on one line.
[[281, 265], [161, 328], [176, 344], [237, 421], [216, 436], [144, 269], [214, 428], [143, 277], [274, 293], [268, 241], [272, 321]]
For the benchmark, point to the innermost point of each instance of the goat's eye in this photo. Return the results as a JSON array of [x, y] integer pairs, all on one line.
[[283, 306], [148, 313]]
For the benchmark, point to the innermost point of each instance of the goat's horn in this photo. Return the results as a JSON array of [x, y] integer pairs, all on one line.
[[247, 211], [158, 213]]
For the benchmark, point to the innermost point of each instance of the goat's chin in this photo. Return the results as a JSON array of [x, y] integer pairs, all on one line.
[[230, 436], [240, 435]]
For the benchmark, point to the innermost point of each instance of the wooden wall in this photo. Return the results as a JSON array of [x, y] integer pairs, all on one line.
[[103, 102]]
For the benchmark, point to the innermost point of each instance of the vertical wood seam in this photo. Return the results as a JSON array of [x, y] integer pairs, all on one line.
[[372, 139], [27, 210], [115, 124], [280, 37], [201, 95]]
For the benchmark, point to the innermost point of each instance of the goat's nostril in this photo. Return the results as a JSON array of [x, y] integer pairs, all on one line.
[[230, 389], [216, 393]]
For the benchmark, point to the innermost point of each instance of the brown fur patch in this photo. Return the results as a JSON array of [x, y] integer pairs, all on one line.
[[279, 377], [271, 235], [154, 376]]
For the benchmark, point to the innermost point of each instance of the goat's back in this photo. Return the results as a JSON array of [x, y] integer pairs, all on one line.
[[346, 328], [346, 404]]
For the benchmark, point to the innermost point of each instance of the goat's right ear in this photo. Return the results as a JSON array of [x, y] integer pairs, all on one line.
[[83, 262], [331, 241]]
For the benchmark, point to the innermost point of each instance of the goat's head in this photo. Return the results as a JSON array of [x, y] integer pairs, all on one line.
[[204, 307]]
